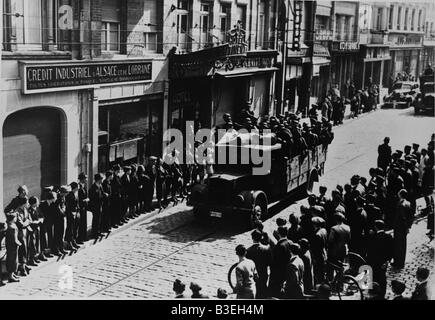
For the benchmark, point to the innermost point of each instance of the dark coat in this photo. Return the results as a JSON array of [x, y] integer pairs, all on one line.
[[262, 257], [96, 197], [72, 204], [379, 249], [384, 155], [420, 292], [83, 194]]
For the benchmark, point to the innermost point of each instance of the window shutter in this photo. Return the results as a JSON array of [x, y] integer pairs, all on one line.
[[111, 11]]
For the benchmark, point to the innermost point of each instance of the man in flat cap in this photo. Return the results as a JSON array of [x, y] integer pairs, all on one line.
[[407, 150], [83, 203], [379, 253], [384, 154], [395, 184], [338, 239], [97, 197], [72, 217], [23, 192], [318, 249]]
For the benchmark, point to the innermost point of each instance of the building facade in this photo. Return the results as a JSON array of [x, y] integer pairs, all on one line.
[[84, 86], [406, 23], [374, 62], [223, 60]]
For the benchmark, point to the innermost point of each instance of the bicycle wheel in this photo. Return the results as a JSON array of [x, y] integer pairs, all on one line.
[[232, 276], [353, 262], [348, 288]]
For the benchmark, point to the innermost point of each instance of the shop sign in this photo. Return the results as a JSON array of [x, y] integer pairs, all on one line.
[[344, 46], [68, 76]]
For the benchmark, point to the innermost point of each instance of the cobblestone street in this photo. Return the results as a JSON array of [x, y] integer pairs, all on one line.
[[142, 260]]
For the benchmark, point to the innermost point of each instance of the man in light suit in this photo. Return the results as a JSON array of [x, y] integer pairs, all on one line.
[[402, 223]]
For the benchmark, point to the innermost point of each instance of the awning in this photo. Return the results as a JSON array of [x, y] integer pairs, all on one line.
[[244, 72], [321, 61]]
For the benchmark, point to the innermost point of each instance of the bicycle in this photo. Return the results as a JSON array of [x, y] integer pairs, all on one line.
[[345, 284]]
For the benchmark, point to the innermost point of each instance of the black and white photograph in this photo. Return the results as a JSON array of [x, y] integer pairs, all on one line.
[[217, 150]]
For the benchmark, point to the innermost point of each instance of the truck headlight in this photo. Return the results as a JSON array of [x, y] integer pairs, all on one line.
[[239, 200]]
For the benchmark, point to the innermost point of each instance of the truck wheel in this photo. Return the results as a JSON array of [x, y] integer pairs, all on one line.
[[199, 214], [259, 208]]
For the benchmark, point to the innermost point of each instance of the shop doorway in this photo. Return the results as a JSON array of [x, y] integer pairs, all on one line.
[[31, 151]]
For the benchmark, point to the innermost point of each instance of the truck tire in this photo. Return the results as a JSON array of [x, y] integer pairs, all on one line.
[[199, 214], [258, 208]]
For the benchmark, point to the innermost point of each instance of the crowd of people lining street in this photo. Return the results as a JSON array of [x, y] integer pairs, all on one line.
[[295, 261], [56, 224], [333, 105]]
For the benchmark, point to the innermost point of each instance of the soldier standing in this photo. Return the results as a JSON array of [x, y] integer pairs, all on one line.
[[83, 203]]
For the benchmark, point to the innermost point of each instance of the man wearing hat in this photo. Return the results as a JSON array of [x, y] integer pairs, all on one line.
[[384, 154], [262, 257], [23, 224], [338, 239], [294, 282], [59, 221], [72, 217], [116, 196], [395, 184], [97, 197], [379, 254], [127, 186], [106, 210], [318, 249], [196, 291], [415, 151], [151, 172], [48, 211], [359, 227], [83, 203], [13, 205], [178, 287]]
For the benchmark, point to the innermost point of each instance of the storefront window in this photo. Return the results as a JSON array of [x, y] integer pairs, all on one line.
[[129, 132]]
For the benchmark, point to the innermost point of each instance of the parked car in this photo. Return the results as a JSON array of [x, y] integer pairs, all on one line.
[[403, 95], [426, 99]]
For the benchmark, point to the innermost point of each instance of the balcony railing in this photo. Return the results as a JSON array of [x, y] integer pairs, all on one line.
[[226, 57]]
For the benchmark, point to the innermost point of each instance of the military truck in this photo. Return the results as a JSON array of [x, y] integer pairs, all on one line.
[[426, 99], [234, 191]]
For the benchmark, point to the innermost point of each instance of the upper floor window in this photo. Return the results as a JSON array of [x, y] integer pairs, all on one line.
[[183, 24], [399, 17], [413, 19], [406, 19], [111, 26], [379, 19], [241, 15], [390, 18], [206, 17], [420, 15], [151, 26], [225, 20]]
